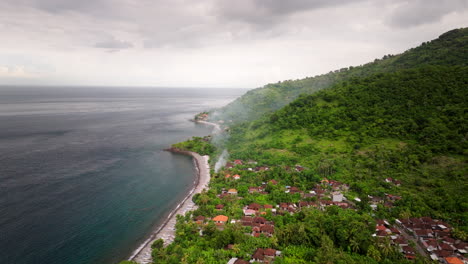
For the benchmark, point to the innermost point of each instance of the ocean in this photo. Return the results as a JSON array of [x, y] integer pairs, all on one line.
[[83, 174]]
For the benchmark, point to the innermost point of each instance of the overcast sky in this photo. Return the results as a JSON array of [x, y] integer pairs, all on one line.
[[207, 43]]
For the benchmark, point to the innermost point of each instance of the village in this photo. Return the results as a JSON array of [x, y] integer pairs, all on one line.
[[241, 202]]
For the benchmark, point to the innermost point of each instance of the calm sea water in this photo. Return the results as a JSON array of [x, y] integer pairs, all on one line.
[[83, 178]]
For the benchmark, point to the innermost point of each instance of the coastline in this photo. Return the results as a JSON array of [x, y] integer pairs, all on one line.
[[166, 230], [216, 127]]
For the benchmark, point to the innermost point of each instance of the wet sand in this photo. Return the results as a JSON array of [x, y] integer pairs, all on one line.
[[167, 230]]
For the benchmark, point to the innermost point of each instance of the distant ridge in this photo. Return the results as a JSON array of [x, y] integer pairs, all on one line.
[[450, 48]]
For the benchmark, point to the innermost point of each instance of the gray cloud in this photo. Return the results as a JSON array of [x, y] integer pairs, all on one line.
[[114, 44], [420, 12], [246, 42], [59, 6], [263, 12]]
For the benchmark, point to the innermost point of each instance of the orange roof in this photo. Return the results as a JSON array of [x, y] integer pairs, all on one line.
[[237, 175], [380, 227], [232, 191], [228, 175], [220, 218], [453, 260]]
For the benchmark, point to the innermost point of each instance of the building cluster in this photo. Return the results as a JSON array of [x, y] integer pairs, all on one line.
[[393, 181], [387, 201], [435, 237], [383, 229], [261, 255], [411, 236]]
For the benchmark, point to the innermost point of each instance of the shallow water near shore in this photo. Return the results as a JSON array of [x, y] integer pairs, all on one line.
[[83, 178]]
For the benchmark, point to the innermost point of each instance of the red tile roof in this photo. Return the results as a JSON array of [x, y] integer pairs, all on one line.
[[453, 260], [220, 218]]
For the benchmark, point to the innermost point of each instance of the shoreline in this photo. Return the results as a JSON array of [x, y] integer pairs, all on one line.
[[166, 230], [217, 128]]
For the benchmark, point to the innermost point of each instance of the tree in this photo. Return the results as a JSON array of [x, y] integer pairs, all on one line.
[[326, 253], [374, 253]]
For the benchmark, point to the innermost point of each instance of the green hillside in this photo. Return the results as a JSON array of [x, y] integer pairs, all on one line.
[[326, 165], [410, 125], [450, 48]]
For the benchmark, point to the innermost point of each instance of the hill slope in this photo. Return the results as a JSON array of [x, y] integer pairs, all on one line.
[[451, 48], [411, 125]]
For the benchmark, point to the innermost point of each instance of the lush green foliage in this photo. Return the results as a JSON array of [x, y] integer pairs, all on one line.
[[427, 105], [410, 125], [197, 144], [447, 50]]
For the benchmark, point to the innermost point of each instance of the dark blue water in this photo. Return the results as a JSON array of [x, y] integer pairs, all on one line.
[[83, 178]]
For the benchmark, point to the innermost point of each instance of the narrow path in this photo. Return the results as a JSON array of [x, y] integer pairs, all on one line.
[[409, 237], [216, 129]]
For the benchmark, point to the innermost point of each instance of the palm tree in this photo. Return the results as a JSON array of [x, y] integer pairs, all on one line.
[[386, 247], [354, 244]]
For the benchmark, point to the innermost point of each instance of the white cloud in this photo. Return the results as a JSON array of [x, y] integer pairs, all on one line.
[[17, 71]]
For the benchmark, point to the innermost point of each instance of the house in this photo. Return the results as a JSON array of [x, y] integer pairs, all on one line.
[[453, 260], [237, 261], [220, 219], [238, 162], [442, 253], [273, 182], [446, 247], [227, 176], [232, 191], [294, 190], [236, 177], [393, 197], [424, 233], [394, 181], [259, 220], [375, 199], [249, 212], [395, 231], [247, 221], [380, 228], [265, 255], [409, 252], [401, 241], [284, 206], [200, 220], [341, 204], [261, 168], [256, 190], [219, 207], [256, 231], [267, 230], [268, 206], [299, 168], [254, 206], [337, 197], [381, 233]]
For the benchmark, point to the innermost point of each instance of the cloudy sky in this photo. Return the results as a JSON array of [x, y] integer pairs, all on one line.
[[207, 43]]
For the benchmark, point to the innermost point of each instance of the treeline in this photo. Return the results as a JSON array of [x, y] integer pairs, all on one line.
[[200, 145], [426, 105]]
